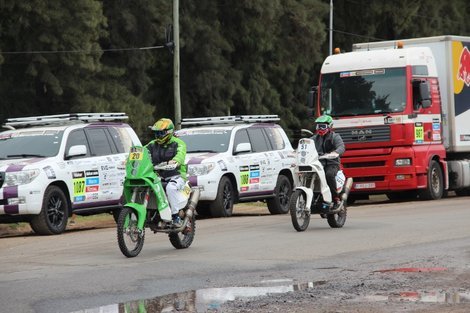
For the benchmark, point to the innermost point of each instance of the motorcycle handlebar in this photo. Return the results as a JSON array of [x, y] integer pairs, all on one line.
[[165, 166]]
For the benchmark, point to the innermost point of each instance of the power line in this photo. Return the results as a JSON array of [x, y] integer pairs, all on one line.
[[82, 51], [356, 35]]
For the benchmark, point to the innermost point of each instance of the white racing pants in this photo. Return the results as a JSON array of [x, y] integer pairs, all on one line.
[[175, 194]]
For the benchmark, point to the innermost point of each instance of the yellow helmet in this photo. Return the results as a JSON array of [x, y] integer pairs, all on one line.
[[163, 130]]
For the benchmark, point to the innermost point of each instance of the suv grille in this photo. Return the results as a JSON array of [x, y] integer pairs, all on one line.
[[365, 134]]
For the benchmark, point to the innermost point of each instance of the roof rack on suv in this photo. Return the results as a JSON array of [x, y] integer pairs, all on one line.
[[62, 118], [229, 119]]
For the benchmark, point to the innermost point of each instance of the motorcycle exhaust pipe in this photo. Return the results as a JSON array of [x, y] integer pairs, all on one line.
[[347, 188], [189, 212], [193, 202], [344, 196]]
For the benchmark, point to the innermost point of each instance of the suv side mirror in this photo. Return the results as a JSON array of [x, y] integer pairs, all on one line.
[[242, 148], [74, 151]]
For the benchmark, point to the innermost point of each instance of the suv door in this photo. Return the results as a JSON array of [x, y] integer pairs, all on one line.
[[251, 165], [106, 177], [92, 173], [269, 159]]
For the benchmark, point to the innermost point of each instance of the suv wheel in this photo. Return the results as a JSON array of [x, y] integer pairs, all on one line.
[[280, 203], [222, 206], [54, 213]]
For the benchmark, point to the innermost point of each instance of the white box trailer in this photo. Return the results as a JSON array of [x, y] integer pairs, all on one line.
[[452, 58]]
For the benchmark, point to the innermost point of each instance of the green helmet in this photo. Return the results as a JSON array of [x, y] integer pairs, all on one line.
[[324, 119], [323, 124], [163, 130]]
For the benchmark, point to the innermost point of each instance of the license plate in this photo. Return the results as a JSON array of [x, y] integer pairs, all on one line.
[[364, 186]]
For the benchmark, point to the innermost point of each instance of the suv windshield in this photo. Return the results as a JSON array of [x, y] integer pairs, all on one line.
[[33, 143], [371, 91], [205, 140]]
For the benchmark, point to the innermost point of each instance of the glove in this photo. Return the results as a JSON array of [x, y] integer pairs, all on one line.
[[172, 162]]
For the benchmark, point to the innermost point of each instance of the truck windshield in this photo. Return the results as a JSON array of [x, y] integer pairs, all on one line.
[[363, 92], [30, 143]]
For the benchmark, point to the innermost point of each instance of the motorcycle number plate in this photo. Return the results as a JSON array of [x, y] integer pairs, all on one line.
[[364, 186], [136, 156]]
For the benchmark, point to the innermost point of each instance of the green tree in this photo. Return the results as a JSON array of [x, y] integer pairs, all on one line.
[[46, 82]]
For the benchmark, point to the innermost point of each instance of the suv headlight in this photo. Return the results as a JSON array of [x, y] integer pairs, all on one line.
[[20, 178], [200, 169]]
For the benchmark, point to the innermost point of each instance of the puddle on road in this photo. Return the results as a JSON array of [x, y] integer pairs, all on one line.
[[419, 296], [210, 299], [201, 300]]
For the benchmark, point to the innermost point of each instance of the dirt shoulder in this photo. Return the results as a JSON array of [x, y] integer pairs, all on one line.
[[106, 220], [75, 223]]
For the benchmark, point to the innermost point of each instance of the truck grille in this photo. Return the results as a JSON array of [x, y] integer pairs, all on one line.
[[2, 178], [364, 134]]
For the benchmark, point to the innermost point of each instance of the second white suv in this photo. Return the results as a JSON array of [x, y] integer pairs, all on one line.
[[239, 158]]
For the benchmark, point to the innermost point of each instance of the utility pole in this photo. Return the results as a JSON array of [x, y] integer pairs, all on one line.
[[176, 64], [331, 27]]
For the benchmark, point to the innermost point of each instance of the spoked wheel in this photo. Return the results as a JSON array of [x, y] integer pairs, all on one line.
[[130, 239], [183, 239], [298, 210], [337, 220]]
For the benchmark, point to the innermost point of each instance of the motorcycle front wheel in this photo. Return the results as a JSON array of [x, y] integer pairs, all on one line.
[[298, 210], [337, 220], [130, 239], [183, 239]]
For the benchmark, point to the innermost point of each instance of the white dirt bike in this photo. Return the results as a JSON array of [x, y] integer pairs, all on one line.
[[312, 195]]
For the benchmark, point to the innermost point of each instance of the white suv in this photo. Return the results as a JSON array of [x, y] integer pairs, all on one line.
[[56, 165], [238, 158]]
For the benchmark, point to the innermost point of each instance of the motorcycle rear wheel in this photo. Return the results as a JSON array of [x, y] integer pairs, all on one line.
[[183, 239], [298, 212], [130, 240], [337, 220]]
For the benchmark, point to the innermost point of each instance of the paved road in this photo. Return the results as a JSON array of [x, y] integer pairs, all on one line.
[[85, 269]]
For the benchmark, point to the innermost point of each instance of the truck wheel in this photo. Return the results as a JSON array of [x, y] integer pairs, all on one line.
[[435, 188], [222, 206], [283, 190], [54, 213]]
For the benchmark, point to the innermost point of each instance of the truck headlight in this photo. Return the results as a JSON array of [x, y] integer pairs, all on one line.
[[20, 178], [200, 169], [403, 162]]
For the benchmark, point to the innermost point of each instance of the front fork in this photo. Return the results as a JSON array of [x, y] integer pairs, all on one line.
[[139, 208]]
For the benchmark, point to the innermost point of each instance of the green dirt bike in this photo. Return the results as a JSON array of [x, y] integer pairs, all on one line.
[[146, 206]]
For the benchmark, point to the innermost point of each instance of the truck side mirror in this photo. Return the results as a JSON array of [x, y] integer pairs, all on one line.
[[312, 95], [421, 94]]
